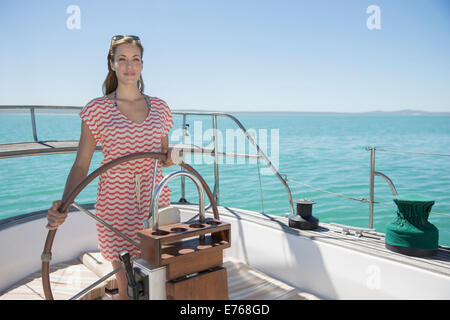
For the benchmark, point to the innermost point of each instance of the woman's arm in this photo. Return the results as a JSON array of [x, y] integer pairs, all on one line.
[[165, 149], [78, 172], [82, 162]]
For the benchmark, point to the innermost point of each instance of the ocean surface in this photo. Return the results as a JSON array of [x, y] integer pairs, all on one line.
[[327, 152]]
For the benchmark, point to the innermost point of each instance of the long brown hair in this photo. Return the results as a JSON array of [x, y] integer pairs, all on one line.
[[111, 82]]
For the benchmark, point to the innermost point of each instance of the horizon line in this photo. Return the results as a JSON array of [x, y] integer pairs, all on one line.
[[4, 108], [404, 111]]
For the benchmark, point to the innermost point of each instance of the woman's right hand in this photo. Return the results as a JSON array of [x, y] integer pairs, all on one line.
[[54, 217]]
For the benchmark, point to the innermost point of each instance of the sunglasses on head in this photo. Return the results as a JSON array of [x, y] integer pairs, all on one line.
[[120, 36]]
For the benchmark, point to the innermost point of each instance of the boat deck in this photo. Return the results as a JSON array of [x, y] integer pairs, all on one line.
[[69, 278], [368, 242], [245, 281]]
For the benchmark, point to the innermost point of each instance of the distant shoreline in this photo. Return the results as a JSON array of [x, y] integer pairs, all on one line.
[[368, 113]]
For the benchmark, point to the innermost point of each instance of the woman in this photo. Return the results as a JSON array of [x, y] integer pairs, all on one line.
[[124, 121]]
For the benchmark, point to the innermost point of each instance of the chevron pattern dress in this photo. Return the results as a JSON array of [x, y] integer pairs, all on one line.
[[124, 192]]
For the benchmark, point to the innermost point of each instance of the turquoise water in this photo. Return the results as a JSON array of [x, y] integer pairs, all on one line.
[[325, 151]]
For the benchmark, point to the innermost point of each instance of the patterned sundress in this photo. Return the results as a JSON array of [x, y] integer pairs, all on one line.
[[124, 192]]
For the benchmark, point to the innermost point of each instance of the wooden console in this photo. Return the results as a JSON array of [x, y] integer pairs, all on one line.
[[193, 256]]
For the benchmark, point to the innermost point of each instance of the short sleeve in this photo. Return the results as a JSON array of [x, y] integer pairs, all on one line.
[[168, 120], [91, 115]]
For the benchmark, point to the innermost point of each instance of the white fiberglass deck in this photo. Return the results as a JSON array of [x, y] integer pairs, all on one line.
[[69, 278], [267, 260]]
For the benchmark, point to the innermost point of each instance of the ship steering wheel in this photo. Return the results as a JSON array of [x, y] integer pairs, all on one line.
[[70, 197]]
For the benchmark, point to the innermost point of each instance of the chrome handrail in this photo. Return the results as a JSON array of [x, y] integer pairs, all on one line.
[[164, 181], [215, 153], [388, 180], [32, 108], [249, 137], [184, 114], [374, 173]]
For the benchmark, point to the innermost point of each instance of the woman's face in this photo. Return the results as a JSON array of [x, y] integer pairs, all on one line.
[[127, 63]]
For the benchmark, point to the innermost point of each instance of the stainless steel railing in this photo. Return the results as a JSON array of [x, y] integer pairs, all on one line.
[[261, 154], [283, 178], [185, 114], [33, 116], [373, 174]]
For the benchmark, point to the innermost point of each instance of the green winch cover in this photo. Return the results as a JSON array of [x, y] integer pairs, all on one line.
[[411, 228]]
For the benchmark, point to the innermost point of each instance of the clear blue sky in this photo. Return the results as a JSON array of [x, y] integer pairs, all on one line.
[[236, 54]]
